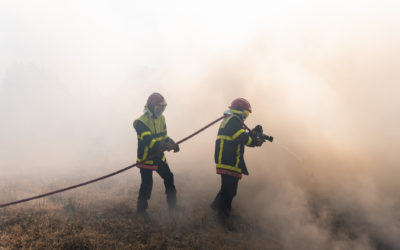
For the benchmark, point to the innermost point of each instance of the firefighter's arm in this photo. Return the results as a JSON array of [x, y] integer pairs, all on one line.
[[239, 135], [168, 144], [160, 143], [165, 143], [143, 133]]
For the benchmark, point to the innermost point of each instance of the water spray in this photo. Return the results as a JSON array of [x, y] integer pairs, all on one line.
[[298, 158]]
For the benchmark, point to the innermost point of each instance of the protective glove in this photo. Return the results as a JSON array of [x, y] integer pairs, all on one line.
[[258, 142], [174, 146], [162, 146], [258, 129], [168, 145]]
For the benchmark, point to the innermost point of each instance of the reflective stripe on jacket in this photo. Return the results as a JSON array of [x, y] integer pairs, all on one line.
[[150, 131], [229, 146]]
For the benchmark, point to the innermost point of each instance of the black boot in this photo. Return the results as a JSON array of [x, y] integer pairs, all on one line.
[[141, 206], [141, 210], [214, 206], [172, 206]]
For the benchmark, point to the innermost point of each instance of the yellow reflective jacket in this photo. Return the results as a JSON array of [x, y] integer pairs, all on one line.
[[150, 132], [229, 146]]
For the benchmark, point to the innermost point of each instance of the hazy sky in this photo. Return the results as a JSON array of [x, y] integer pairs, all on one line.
[[322, 76], [74, 75]]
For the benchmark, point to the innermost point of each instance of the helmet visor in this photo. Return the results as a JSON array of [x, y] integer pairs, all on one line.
[[246, 113]]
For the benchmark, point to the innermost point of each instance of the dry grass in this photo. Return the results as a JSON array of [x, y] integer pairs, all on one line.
[[103, 216]]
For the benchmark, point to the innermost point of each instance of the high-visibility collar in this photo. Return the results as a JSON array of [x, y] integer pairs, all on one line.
[[238, 114]]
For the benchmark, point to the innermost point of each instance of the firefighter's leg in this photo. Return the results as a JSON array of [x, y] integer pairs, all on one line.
[[228, 191], [145, 189], [233, 185], [217, 203], [170, 190]]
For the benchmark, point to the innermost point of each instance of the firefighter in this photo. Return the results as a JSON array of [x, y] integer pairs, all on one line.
[[229, 150], [152, 138]]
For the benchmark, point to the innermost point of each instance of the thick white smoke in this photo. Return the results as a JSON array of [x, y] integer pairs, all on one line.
[[322, 78]]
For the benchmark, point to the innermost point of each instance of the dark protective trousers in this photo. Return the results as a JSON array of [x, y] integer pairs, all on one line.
[[147, 185], [223, 201]]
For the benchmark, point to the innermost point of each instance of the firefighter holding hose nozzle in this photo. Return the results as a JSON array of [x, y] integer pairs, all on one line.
[[229, 150]]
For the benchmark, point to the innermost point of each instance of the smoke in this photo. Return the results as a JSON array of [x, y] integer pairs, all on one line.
[[322, 78]]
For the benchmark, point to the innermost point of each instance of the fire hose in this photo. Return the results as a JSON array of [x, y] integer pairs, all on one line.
[[226, 114], [108, 175]]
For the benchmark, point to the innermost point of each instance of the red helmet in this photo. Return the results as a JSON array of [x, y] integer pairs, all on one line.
[[156, 99], [240, 104]]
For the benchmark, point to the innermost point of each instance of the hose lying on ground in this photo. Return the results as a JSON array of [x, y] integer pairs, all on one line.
[[108, 175]]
